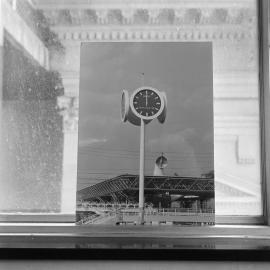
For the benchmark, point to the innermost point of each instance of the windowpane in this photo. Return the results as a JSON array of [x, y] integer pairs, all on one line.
[[40, 50]]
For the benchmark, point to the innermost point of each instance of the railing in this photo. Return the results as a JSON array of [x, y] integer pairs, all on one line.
[[151, 214], [186, 210], [94, 218], [148, 208], [169, 217], [87, 219], [108, 205], [170, 212]]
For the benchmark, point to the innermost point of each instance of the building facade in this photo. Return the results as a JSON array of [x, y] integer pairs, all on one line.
[[231, 26]]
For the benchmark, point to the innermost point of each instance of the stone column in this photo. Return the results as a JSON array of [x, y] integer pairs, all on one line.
[[69, 111], [68, 65]]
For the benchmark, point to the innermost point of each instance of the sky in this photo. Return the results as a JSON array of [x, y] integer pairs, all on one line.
[[109, 147]]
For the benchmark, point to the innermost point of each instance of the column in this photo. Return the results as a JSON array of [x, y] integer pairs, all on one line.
[[69, 107], [69, 67]]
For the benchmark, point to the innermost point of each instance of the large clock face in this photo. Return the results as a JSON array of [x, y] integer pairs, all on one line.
[[147, 103]]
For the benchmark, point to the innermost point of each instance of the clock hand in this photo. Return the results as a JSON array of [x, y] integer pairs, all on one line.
[[146, 98]]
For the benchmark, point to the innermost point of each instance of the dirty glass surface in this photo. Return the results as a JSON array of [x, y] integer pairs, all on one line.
[[40, 65]]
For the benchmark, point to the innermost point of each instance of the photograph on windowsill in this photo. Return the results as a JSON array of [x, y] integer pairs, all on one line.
[[43, 44], [146, 147]]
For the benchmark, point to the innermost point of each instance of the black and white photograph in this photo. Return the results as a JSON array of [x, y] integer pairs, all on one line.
[[128, 127], [145, 149]]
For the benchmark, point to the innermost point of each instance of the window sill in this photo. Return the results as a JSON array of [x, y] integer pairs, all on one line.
[[68, 241], [227, 236]]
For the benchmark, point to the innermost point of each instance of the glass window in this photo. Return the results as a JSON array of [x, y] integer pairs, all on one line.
[[40, 46]]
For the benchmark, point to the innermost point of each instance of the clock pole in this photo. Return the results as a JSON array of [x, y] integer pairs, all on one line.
[[140, 111], [141, 177]]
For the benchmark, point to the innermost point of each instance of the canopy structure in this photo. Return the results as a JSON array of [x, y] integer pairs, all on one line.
[[126, 187]]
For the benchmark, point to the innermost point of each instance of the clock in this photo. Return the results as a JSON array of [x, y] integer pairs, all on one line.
[[124, 105], [147, 103], [162, 116]]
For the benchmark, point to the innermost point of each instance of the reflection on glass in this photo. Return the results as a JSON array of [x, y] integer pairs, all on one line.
[[41, 40]]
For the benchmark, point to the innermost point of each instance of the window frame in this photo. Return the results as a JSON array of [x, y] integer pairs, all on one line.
[[251, 226], [263, 18]]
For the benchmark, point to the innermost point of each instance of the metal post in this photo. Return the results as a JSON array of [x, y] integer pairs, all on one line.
[[141, 179]]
